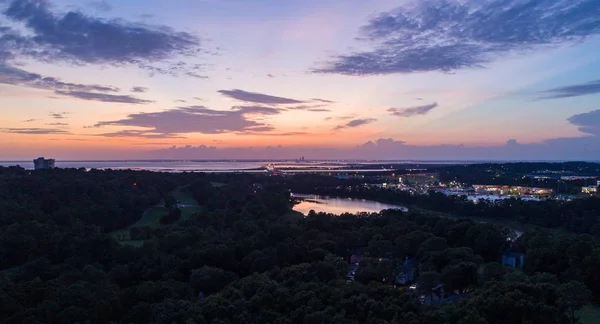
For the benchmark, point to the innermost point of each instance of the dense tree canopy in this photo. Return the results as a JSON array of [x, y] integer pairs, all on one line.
[[247, 258]]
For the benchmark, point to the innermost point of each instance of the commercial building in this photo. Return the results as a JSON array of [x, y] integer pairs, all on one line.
[[42, 163], [512, 190], [590, 190]]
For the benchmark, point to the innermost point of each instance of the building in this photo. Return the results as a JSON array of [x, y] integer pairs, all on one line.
[[42, 163], [513, 259], [592, 190]]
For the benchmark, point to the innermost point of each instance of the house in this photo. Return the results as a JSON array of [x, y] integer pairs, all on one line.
[[513, 259]]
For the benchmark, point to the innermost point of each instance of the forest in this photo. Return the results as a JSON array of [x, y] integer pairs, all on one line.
[[246, 257]]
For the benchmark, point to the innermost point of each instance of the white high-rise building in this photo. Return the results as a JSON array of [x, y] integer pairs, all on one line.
[[42, 163]]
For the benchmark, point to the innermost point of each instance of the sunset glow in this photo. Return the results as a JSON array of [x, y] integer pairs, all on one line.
[[281, 79]]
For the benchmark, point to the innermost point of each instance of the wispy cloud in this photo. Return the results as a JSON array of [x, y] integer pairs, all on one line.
[[101, 5], [257, 110], [33, 131], [274, 134], [74, 37], [443, 35], [193, 119], [356, 123], [322, 100], [57, 124], [103, 97], [58, 115], [138, 134], [18, 77], [30, 120], [313, 108], [139, 89], [413, 111], [257, 97], [574, 90]]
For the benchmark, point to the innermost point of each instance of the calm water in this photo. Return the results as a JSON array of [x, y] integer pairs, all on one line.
[[218, 166], [340, 205]]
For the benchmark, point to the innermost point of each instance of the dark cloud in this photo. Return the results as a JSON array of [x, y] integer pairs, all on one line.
[[103, 97], [257, 97], [139, 134], [356, 123], [445, 35], [18, 77], [313, 108], [588, 122], [58, 115], [413, 111], [340, 117], [30, 120], [33, 131], [139, 89], [575, 90], [193, 119], [101, 5], [257, 110], [275, 134], [74, 37], [322, 100]]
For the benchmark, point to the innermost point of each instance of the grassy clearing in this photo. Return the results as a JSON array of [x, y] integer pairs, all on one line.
[[183, 198], [589, 314], [153, 215]]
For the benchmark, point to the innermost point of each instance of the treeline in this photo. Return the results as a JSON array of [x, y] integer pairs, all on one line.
[[577, 215], [247, 259]]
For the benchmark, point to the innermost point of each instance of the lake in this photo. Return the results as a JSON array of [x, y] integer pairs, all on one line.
[[349, 205], [340, 205]]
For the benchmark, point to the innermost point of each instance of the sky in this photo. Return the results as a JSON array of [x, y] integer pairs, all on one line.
[[328, 79]]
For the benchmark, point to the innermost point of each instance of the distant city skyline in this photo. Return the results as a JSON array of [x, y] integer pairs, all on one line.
[[267, 79]]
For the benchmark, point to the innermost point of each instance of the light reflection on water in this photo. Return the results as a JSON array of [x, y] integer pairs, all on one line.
[[340, 205]]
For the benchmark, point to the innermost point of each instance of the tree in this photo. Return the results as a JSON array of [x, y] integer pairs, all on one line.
[[427, 281], [573, 295], [462, 276], [170, 202], [210, 279]]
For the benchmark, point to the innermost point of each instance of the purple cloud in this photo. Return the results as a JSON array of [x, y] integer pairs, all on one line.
[[588, 122], [139, 89], [74, 37], [193, 119], [442, 35], [413, 111], [576, 90], [356, 123], [103, 97], [256, 97], [33, 131]]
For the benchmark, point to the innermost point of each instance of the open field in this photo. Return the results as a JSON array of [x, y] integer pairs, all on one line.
[[151, 217]]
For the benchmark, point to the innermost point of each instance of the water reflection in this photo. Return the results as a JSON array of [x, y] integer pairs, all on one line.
[[340, 205]]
